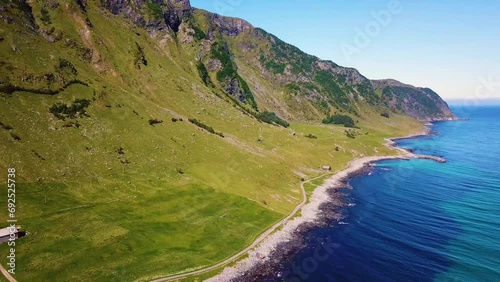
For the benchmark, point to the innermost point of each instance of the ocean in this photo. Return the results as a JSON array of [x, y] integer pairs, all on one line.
[[417, 220]]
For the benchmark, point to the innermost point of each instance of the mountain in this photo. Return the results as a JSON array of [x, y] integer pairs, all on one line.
[[420, 103], [150, 137]]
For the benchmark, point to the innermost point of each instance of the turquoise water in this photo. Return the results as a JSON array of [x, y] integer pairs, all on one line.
[[418, 220]]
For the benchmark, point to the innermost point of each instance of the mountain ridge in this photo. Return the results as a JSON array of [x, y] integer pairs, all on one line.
[[150, 137]]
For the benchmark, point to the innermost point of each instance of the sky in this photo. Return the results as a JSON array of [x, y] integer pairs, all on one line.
[[451, 46]]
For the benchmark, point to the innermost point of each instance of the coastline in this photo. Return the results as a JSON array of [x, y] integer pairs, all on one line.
[[266, 258]]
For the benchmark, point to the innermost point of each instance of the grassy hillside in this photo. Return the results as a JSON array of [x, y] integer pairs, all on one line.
[[114, 182]]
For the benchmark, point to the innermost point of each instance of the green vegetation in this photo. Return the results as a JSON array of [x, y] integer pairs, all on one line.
[[347, 121], [75, 110], [199, 34], [281, 52], [221, 52], [311, 136], [203, 72], [385, 114], [272, 118], [154, 121], [139, 57], [66, 66], [228, 72], [155, 9], [332, 89], [292, 88], [272, 65], [45, 16], [351, 133], [206, 127], [15, 136], [5, 126], [177, 198]]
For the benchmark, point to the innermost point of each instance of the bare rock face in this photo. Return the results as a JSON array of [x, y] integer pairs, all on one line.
[[420, 103], [234, 88], [230, 26], [172, 12]]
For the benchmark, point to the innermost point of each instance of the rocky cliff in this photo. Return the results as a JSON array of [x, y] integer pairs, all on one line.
[[420, 103], [255, 69]]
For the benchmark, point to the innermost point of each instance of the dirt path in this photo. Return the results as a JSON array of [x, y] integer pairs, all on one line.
[[6, 274], [255, 242]]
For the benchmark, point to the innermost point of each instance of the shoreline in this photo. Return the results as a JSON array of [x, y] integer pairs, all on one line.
[[323, 207]]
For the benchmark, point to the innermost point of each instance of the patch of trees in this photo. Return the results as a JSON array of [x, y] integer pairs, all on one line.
[[65, 65], [139, 57], [75, 110], [351, 133], [15, 136], [155, 9], [45, 16], [228, 72], [198, 33], [203, 72], [347, 121], [5, 126], [9, 88], [206, 127], [271, 118], [153, 121]]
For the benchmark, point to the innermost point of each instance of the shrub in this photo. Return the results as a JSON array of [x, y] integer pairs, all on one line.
[[174, 120], [311, 136], [203, 72], [153, 121], [271, 118], [206, 127], [45, 16], [75, 110], [67, 65], [15, 136], [5, 126], [199, 34], [385, 114], [155, 9], [351, 133], [347, 121], [139, 57]]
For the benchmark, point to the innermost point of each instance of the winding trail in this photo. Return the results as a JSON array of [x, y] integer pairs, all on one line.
[[7, 275], [352, 166], [255, 242]]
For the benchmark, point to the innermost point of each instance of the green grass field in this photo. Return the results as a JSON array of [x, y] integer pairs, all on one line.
[[117, 199]]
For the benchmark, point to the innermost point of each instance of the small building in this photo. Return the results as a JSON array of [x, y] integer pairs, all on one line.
[[5, 233], [326, 168]]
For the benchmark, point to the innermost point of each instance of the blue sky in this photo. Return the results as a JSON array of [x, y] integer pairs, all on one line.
[[449, 46]]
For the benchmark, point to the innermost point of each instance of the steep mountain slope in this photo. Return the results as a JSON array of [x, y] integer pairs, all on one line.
[[419, 103], [150, 137]]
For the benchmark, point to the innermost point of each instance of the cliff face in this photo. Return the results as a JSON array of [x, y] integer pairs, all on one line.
[[420, 103], [254, 68], [157, 13]]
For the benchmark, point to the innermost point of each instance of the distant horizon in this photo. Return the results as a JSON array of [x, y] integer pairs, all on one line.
[[473, 102], [446, 46]]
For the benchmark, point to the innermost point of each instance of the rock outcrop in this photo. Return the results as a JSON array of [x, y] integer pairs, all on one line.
[[420, 103]]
